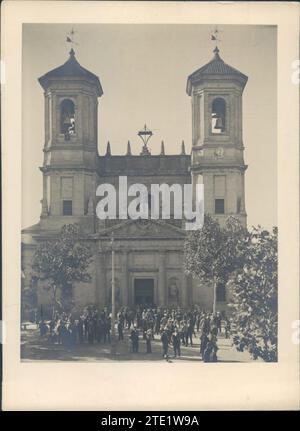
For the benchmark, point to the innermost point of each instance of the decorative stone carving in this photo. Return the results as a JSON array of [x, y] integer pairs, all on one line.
[[147, 228], [173, 291]]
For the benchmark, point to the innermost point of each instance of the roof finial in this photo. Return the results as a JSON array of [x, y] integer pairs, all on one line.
[[216, 52], [162, 148], [214, 36], [128, 149], [108, 151]]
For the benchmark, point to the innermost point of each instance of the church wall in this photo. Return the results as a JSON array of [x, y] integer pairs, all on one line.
[[158, 259], [89, 190], [55, 195], [147, 181], [65, 156], [231, 193], [78, 195], [208, 181], [203, 296]]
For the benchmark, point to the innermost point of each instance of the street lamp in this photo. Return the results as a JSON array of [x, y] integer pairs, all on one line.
[[113, 297]]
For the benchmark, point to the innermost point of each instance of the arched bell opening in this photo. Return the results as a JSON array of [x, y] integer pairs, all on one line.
[[67, 118], [218, 116]]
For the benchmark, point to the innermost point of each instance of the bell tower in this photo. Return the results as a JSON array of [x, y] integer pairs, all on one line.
[[217, 145], [71, 95]]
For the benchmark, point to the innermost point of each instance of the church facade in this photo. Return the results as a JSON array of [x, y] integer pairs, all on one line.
[[148, 253]]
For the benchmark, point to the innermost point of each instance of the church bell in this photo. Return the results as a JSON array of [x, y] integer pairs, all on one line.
[[219, 123]]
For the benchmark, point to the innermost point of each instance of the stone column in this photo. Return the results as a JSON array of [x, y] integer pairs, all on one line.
[[50, 121], [79, 108], [54, 119], [44, 200], [47, 122], [185, 291], [101, 277], [162, 294], [243, 209]]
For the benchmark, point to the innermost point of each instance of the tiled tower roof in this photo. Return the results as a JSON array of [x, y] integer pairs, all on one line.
[[71, 69], [216, 68]]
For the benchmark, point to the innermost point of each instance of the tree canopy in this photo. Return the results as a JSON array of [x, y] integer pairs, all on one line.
[[212, 253], [61, 262], [254, 296], [247, 262]]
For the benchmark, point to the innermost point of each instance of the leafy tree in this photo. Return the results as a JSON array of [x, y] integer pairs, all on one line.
[[254, 296], [62, 262], [28, 298], [247, 261], [212, 252]]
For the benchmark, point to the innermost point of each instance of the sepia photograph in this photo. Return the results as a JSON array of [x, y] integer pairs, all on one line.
[[150, 222]]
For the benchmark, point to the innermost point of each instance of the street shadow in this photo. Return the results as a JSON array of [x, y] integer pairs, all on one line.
[[35, 348]]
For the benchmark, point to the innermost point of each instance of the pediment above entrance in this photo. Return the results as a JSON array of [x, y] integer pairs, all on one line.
[[144, 229]]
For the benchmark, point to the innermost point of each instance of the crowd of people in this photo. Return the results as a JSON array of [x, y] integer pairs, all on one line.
[[70, 329], [174, 328]]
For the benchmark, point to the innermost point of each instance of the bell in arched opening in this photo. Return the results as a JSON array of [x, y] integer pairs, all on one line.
[[218, 115], [67, 115]]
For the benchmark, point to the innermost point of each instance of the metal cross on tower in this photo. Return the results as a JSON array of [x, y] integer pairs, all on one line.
[[145, 135]]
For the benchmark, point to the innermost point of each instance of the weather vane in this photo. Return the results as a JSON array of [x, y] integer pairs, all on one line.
[[215, 36], [145, 135], [71, 37]]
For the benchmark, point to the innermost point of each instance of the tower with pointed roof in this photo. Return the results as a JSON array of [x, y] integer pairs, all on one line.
[[71, 95], [217, 158]]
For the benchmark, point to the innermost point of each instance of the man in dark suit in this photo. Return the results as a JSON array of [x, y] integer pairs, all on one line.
[[120, 330], [134, 336], [176, 343], [165, 343]]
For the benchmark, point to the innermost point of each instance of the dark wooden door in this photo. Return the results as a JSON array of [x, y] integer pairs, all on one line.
[[144, 291]]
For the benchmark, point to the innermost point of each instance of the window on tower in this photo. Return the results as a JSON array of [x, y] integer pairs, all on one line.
[[219, 206], [218, 116], [67, 118]]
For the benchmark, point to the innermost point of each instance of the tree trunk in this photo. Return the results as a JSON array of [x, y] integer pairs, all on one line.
[[54, 301]]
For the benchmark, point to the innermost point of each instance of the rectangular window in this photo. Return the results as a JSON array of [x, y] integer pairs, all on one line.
[[219, 206], [67, 208]]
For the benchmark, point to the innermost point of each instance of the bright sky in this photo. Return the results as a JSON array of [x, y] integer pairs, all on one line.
[[143, 71]]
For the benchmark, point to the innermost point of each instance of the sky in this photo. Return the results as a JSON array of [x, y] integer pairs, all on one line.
[[143, 71]]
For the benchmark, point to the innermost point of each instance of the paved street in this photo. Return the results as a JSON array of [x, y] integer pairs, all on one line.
[[35, 348]]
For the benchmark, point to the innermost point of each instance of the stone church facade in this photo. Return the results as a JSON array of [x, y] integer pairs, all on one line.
[[148, 253]]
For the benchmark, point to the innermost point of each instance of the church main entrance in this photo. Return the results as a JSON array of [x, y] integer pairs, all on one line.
[[144, 291]]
